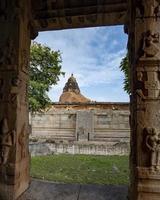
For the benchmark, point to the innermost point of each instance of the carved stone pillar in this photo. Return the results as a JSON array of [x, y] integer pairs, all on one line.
[[144, 55], [14, 60]]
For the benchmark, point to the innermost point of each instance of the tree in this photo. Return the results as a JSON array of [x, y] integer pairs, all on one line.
[[44, 71], [124, 66]]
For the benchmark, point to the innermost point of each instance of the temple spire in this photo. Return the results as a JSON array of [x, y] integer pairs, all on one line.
[[71, 92], [71, 85]]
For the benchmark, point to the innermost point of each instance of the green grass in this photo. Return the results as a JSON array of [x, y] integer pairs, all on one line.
[[83, 169]]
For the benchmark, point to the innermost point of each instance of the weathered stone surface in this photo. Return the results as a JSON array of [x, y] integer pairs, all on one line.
[[70, 97], [14, 60], [84, 125], [104, 131], [52, 15], [110, 125], [17, 26], [144, 48], [71, 92], [50, 147]]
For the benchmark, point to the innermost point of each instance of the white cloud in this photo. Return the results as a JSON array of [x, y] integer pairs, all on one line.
[[92, 55]]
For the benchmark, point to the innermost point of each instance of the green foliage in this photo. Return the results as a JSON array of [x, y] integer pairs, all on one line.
[[45, 69], [83, 169], [124, 66]]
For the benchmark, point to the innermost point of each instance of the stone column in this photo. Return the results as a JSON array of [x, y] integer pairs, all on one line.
[[144, 55], [14, 60]]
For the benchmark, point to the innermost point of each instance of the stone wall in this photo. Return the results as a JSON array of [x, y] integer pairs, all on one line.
[[87, 131], [89, 148]]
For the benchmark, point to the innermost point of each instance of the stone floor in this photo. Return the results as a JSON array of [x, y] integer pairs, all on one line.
[[43, 190]]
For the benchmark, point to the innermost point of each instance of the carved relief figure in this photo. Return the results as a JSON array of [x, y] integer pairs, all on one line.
[[152, 85], [15, 83], [140, 87], [149, 7], [153, 144], [139, 9], [150, 47], [25, 61], [8, 53], [22, 141], [157, 10], [18, 10], [6, 141]]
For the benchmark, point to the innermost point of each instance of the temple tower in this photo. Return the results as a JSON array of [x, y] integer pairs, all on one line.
[[71, 92]]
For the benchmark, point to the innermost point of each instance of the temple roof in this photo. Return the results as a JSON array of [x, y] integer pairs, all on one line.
[[71, 92]]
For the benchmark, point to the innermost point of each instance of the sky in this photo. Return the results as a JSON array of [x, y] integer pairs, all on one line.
[[93, 55]]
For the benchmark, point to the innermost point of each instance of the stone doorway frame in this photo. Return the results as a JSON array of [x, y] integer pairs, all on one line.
[[17, 30]]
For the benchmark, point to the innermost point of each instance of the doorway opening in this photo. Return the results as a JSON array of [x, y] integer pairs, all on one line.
[[80, 139]]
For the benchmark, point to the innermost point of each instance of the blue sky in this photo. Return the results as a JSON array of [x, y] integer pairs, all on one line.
[[93, 55]]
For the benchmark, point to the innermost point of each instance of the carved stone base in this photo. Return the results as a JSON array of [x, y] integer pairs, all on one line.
[[148, 183], [148, 196], [14, 179]]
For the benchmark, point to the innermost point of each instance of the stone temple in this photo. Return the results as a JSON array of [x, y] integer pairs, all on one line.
[[20, 22], [78, 125], [71, 92]]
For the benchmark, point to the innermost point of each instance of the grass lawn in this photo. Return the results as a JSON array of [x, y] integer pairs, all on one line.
[[83, 169]]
